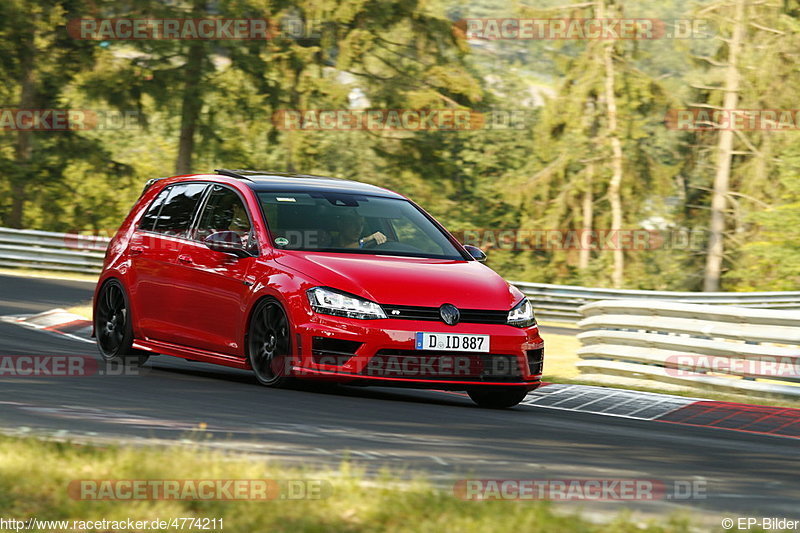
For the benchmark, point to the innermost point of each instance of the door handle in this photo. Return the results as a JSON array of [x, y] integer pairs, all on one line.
[[136, 250], [183, 258]]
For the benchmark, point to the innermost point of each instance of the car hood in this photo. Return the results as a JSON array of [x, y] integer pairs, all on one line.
[[406, 280]]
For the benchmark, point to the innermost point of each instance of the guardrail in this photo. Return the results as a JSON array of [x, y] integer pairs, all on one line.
[[45, 250], [708, 346], [561, 302], [80, 253]]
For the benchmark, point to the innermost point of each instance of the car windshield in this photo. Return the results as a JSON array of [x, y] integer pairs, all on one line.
[[352, 223]]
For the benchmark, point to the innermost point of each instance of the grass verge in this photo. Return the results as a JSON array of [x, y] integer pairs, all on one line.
[[560, 356], [559, 367], [34, 476], [82, 310], [48, 274]]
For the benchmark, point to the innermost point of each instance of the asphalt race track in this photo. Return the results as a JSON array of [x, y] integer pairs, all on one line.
[[440, 434]]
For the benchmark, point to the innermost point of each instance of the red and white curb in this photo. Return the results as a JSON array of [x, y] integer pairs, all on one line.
[[606, 401], [58, 321], [637, 405]]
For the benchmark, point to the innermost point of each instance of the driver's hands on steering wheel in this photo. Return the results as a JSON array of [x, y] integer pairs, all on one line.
[[378, 237]]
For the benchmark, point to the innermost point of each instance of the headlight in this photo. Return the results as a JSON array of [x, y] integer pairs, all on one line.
[[521, 315], [330, 302]]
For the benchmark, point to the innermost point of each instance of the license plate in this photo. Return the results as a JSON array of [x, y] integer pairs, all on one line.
[[452, 342]]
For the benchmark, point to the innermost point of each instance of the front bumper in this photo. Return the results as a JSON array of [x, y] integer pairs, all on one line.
[[382, 352]]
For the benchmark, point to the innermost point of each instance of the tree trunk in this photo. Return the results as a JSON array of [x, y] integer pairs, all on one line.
[[191, 106], [615, 184], [587, 217], [293, 141], [23, 148], [716, 249]]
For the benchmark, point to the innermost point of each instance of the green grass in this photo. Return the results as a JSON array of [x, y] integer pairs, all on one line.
[[560, 356], [83, 310], [48, 274], [34, 476]]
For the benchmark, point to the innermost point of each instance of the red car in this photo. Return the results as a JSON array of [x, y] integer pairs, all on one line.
[[297, 276]]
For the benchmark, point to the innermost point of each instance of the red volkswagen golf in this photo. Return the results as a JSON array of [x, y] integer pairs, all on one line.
[[297, 276]]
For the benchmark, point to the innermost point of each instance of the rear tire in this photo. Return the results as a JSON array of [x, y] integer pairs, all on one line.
[[269, 346], [113, 326], [497, 397]]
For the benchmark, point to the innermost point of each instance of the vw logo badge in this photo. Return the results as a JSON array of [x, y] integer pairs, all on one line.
[[450, 314]]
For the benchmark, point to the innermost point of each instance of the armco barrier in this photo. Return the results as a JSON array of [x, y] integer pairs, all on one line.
[[45, 250], [561, 302], [721, 347]]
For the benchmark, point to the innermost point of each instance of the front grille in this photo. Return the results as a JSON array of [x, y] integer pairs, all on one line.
[[468, 316], [536, 360], [439, 365], [330, 351]]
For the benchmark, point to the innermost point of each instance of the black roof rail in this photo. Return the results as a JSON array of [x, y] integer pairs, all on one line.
[[232, 173], [243, 174]]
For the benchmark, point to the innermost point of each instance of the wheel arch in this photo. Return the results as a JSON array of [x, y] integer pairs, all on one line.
[[257, 300]]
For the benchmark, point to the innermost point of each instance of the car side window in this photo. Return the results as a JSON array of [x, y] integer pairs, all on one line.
[[177, 209], [224, 211], [150, 217]]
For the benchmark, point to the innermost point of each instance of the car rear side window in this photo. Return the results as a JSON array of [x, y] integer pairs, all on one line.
[[149, 219], [173, 210]]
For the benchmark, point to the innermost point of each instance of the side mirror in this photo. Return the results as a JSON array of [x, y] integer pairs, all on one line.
[[475, 252], [227, 242]]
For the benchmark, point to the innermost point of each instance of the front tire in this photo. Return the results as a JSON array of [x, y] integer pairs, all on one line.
[[113, 326], [497, 397], [269, 344]]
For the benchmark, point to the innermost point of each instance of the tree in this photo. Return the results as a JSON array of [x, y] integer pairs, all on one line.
[[759, 38], [38, 59], [615, 183], [713, 271], [593, 137]]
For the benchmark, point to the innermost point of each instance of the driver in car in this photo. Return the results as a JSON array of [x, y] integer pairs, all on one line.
[[350, 227]]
